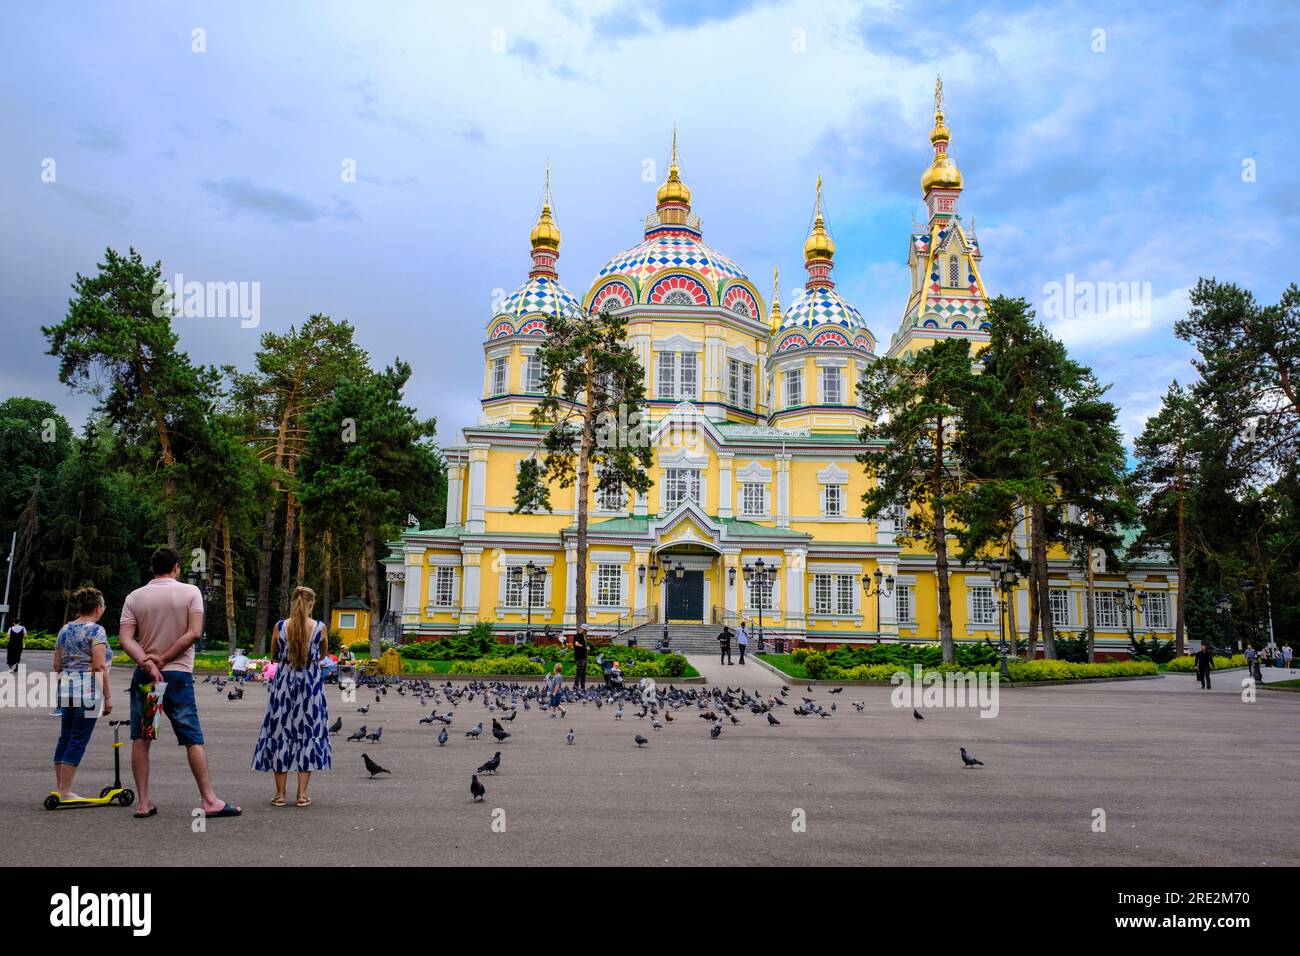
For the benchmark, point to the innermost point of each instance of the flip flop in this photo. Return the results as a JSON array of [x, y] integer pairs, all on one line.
[[277, 802], [142, 814], [303, 802], [227, 811]]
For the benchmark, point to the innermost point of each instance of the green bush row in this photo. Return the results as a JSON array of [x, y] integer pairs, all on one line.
[[1187, 663], [516, 664], [818, 666]]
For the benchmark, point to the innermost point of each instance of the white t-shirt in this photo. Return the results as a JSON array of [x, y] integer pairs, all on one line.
[[240, 663]]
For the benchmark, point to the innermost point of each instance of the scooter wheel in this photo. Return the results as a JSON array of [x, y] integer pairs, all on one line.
[[105, 792], [51, 802], [126, 798]]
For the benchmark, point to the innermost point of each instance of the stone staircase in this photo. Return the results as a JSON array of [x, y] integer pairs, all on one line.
[[683, 638]]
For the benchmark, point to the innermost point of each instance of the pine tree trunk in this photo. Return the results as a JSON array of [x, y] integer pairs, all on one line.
[[286, 561], [1038, 531], [941, 548], [372, 585], [228, 564], [268, 534], [302, 549], [1011, 622], [325, 580], [1032, 650], [584, 488], [1090, 599], [1179, 633]]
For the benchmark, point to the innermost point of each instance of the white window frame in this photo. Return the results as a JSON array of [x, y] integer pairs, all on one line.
[[608, 584], [747, 488], [347, 620], [832, 373], [904, 604], [980, 598], [443, 575], [611, 500], [1155, 610], [533, 373], [835, 493], [1107, 608], [767, 595], [740, 383], [500, 375], [679, 483], [792, 391]]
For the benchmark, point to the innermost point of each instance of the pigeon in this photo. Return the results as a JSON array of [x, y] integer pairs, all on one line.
[[491, 765], [475, 731], [336, 726], [373, 767], [429, 719], [364, 710], [641, 741], [499, 732], [859, 706], [917, 714], [655, 724], [771, 719], [618, 714], [970, 761], [513, 715], [442, 737], [359, 733], [715, 731], [668, 716], [570, 737], [379, 732], [476, 789]]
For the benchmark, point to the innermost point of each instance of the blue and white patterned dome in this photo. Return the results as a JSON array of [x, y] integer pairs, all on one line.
[[539, 296], [671, 249], [825, 319]]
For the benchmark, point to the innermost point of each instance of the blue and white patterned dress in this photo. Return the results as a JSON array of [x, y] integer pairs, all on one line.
[[295, 732]]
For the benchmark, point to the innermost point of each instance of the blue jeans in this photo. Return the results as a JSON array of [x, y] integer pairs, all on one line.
[[74, 735]]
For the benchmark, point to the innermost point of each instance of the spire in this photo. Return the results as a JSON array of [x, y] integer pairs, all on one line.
[[774, 319], [545, 237], [819, 249], [943, 172], [674, 196]]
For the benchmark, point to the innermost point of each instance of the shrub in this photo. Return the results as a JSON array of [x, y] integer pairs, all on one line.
[[1187, 663], [1065, 670], [815, 664], [516, 664], [1152, 650], [480, 636]]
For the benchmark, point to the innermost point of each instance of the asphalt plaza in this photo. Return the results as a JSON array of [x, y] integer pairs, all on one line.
[[1184, 777]]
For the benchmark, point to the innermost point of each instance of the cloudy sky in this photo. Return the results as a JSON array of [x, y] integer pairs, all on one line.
[[1096, 142]]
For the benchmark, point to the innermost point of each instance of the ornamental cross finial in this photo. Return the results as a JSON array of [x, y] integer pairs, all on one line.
[[938, 94], [819, 195], [674, 159], [547, 200]]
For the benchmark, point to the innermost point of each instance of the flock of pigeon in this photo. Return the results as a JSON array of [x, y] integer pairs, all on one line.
[[717, 706]]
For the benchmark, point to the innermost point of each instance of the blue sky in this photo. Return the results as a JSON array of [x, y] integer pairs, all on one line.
[[1112, 161]]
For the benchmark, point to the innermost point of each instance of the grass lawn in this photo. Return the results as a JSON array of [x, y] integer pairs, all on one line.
[[786, 664], [1293, 684]]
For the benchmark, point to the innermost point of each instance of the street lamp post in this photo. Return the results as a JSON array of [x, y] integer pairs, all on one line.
[[1132, 601], [877, 590], [533, 573], [204, 583], [1004, 577], [759, 573]]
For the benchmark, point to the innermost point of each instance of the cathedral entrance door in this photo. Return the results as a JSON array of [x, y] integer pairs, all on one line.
[[685, 598]]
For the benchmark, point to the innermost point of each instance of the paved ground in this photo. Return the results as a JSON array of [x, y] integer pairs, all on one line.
[[1172, 767]]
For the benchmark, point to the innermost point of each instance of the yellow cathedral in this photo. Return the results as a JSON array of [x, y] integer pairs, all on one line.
[[755, 513]]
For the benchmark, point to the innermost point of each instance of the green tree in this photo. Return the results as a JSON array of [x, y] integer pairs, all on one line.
[[295, 371], [914, 405], [365, 451], [594, 421], [1250, 371], [1045, 444], [117, 343]]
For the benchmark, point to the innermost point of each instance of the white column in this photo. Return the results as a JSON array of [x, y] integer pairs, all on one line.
[[471, 562], [794, 586], [571, 585], [730, 589], [724, 485], [783, 491], [454, 471], [642, 505], [640, 558], [413, 591], [477, 489], [889, 602]]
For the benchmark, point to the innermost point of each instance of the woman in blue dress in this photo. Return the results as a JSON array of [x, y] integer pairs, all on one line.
[[295, 732]]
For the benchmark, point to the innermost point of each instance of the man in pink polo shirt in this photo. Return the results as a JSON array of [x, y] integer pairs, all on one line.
[[160, 623]]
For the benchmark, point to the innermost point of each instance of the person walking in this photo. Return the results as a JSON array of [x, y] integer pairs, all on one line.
[[724, 645], [17, 637], [742, 641], [1251, 658], [580, 647], [295, 731], [1287, 656], [81, 658], [555, 689], [1204, 664], [160, 623]]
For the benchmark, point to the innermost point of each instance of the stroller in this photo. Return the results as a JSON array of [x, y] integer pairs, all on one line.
[[612, 681]]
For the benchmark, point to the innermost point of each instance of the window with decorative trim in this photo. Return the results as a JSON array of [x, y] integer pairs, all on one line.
[[1059, 599], [832, 386], [845, 590], [740, 383], [609, 585], [500, 371], [1109, 608], [679, 485], [444, 587], [983, 610], [514, 596], [533, 373], [611, 499], [1155, 610], [954, 272], [678, 375], [753, 498], [793, 387], [760, 592], [904, 606], [833, 501]]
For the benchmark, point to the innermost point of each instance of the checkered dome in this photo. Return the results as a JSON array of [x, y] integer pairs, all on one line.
[[671, 250], [822, 305], [540, 295]]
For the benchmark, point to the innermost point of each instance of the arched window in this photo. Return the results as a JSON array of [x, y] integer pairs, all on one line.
[[954, 274], [678, 297]]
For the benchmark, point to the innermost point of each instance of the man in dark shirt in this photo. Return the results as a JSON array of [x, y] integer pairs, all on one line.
[[580, 658], [1204, 664], [724, 644]]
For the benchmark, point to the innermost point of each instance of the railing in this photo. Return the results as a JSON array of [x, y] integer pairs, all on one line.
[[722, 616]]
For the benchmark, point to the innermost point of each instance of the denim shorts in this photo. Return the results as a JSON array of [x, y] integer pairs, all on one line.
[[179, 705]]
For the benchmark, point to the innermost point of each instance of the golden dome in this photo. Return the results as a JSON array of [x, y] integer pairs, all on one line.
[[546, 234], [674, 190], [819, 244], [943, 172]]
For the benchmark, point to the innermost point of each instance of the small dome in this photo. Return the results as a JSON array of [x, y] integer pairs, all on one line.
[[819, 244], [943, 172], [671, 249], [545, 234], [540, 296], [822, 305]]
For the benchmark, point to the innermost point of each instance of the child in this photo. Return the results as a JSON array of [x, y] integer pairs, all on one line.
[[555, 688]]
